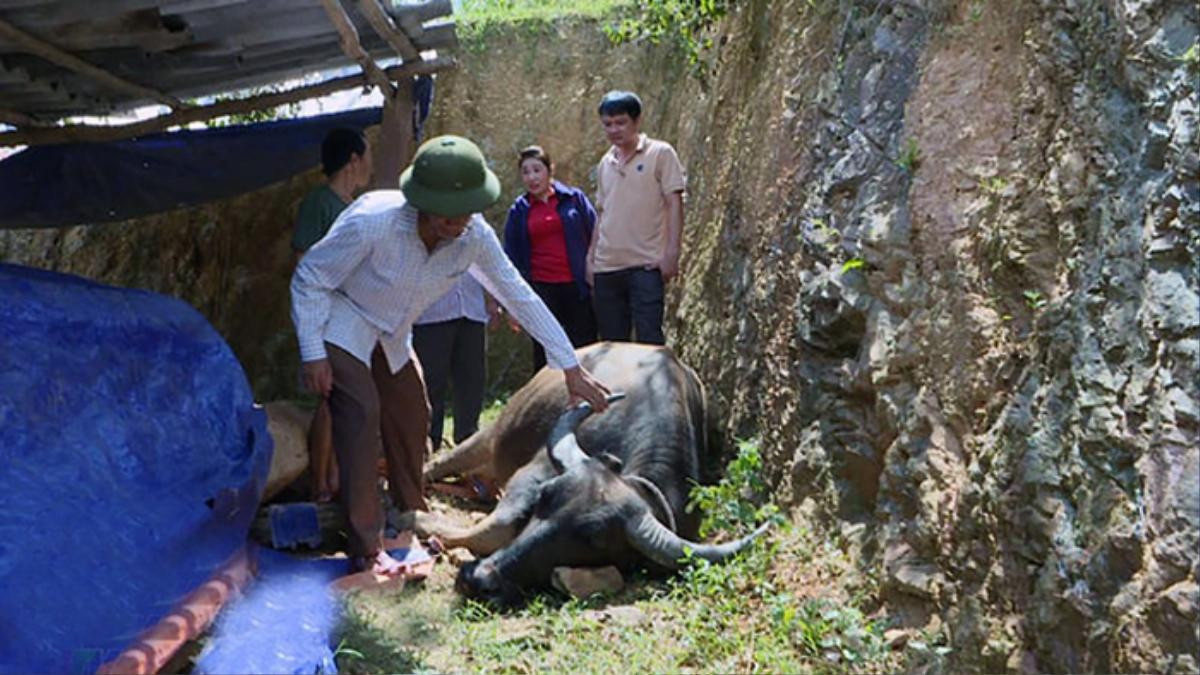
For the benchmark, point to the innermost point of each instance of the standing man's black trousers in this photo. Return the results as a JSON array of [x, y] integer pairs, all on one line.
[[453, 351], [626, 299]]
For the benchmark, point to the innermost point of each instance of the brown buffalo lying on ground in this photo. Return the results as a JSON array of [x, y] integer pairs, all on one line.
[[585, 490]]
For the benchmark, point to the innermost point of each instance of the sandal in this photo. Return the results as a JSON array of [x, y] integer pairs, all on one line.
[[380, 564]]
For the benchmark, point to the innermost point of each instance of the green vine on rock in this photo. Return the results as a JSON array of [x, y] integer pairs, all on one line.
[[683, 23]]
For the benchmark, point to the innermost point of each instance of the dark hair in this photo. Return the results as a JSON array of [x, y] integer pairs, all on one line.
[[616, 102], [337, 148], [534, 152]]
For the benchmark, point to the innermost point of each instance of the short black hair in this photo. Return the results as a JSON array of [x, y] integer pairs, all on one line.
[[534, 152], [337, 148], [616, 102]]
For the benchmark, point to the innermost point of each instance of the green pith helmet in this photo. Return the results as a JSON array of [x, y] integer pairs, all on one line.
[[449, 177]]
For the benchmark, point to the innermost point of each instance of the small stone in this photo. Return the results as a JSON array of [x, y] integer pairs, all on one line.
[[582, 582], [288, 425], [459, 556], [896, 638], [624, 615]]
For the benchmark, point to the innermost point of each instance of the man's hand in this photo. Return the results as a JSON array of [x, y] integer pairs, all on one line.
[[513, 325], [668, 266], [582, 386], [589, 273], [318, 377], [494, 312]]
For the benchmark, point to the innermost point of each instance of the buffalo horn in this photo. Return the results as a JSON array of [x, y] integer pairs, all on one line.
[[653, 540], [564, 450]]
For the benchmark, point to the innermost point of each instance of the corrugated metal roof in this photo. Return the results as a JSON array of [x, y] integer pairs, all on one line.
[[182, 49]]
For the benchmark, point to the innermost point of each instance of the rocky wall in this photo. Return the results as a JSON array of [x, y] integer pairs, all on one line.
[[941, 260], [231, 260]]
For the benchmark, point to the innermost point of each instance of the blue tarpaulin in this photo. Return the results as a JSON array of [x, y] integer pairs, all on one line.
[[287, 620], [86, 183], [132, 458]]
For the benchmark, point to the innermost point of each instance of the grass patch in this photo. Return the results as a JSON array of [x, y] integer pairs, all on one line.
[[478, 12], [793, 602], [486, 417], [478, 18]]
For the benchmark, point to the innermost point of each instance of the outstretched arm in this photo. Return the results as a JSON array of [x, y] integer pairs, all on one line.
[[496, 272]]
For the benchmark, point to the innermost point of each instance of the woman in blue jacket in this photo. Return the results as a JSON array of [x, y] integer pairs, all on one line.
[[546, 237]]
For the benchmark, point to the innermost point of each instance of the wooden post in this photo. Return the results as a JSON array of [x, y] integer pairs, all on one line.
[[394, 149]]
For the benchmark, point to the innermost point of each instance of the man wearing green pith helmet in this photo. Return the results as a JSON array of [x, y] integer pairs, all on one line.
[[355, 296]]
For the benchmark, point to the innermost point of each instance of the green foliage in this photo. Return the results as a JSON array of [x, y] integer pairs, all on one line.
[[343, 652], [683, 23], [833, 631], [1192, 56], [975, 11], [739, 501], [853, 264], [1034, 299], [532, 18], [366, 648], [479, 11], [282, 112], [910, 156], [993, 186]]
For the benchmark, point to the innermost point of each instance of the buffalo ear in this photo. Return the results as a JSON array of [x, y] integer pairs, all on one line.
[[611, 461]]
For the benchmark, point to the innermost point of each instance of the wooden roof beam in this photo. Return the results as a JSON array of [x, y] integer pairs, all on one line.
[[18, 119], [142, 29], [412, 18], [426, 11], [92, 133], [24, 87], [182, 6], [441, 36], [386, 28], [69, 61], [353, 48]]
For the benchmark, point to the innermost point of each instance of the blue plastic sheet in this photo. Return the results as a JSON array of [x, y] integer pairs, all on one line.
[[287, 620], [87, 183], [131, 462], [284, 623]]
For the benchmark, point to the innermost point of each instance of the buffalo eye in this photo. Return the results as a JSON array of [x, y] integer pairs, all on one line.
[[611, 461]]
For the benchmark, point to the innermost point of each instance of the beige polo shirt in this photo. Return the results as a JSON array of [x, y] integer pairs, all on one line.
[[631, 196]]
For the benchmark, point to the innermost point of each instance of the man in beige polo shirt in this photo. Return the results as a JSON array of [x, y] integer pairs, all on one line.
[[635, 246]]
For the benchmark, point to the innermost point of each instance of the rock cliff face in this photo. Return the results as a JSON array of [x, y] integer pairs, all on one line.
[[940, 258]]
